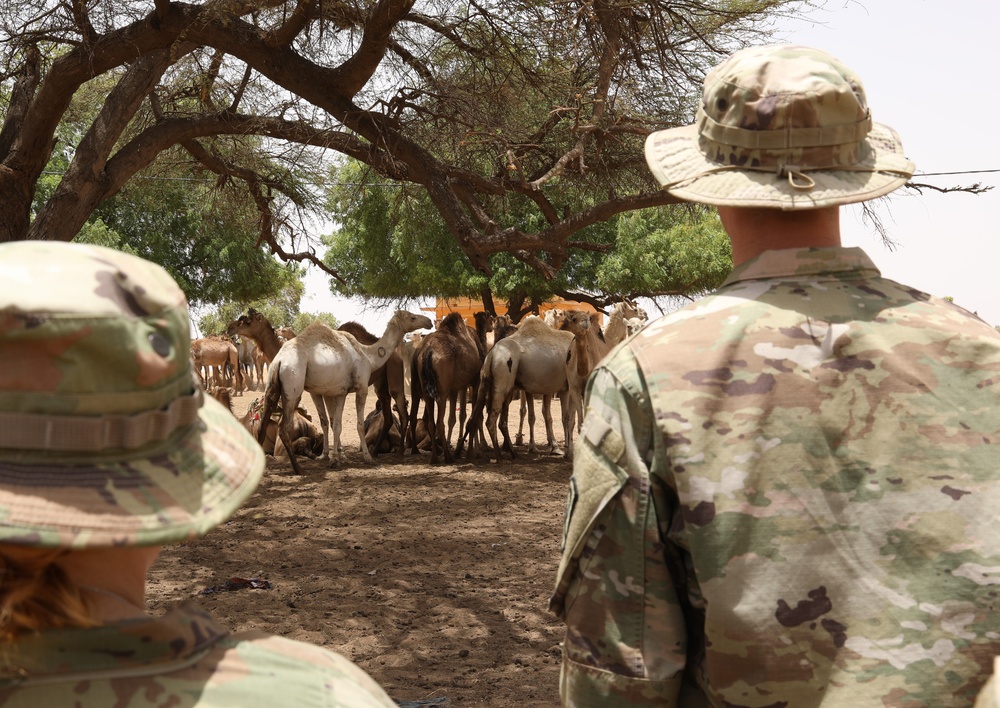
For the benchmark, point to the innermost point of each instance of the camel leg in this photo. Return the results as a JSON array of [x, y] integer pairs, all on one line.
[[532, 447], [491, 428], [464, 401], [473, 429], [359, 404], [565, 403], [384, 403], [403, 420], [324, 423], [336, 406], [431, 426], [503, 428], [445, 438], [547, 415], [286, 428], [416, 394], [526, 403]]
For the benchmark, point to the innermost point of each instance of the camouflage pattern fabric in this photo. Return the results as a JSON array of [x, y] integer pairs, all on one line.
[[182, 659], [781, 126], [786, 495], [106, 438]]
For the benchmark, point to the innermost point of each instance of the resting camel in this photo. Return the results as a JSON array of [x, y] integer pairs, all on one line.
[[216, 351], [445, 365], [386, 379], [538, 360], [329, 365], [308, 436]]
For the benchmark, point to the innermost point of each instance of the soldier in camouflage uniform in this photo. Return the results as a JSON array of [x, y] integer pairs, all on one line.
[[786, 493], [109, 449]]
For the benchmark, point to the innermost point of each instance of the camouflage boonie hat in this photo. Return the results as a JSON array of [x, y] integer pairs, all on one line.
[[106, 438], [779, 126]]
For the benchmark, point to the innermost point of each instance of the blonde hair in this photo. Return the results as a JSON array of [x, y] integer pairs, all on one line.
[[36, 594]]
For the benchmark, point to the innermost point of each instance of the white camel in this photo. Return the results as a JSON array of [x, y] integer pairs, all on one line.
[[329, 364], [538, 360]]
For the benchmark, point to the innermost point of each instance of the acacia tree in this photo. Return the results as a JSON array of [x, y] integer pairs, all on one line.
[[485, 105], [389, 245]]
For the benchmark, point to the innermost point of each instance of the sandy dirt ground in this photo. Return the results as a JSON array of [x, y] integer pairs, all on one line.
[[434, 579]]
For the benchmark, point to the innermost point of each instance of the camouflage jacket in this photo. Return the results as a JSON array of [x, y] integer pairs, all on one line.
[[181, 659], [786, 494]]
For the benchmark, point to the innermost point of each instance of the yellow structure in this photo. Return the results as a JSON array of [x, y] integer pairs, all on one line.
[[468, 307]]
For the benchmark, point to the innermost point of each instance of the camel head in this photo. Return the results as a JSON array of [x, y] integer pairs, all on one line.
[[409, 322], [484, 320], [576, 321], [554, 317], [250, 324]]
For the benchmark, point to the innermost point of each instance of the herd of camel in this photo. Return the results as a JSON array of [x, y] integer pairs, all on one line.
[[454, 365]]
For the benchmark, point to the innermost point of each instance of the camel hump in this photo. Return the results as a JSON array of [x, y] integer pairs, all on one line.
[[360, 333], [533, 325], [451, 322]]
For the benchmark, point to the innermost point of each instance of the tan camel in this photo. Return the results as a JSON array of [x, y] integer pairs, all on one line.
[[618, 327], [536, 359], [579, 323], [260, 363], [252, 362], [387, 380], [217, 351], [308, 436], [329, 365], [445, 365], [405, 350]]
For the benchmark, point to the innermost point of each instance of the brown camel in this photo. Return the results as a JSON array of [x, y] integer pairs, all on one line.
[[255, 326], [219, 352], [445, 364], [387, 381], [373, 432], [330, 364]]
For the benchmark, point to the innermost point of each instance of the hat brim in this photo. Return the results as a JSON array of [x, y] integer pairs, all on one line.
[[681, 167], [177, 490]]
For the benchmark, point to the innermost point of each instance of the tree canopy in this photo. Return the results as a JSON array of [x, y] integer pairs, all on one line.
[[390, 245], [517, 124]]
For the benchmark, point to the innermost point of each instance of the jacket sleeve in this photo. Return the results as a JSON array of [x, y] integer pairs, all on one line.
[[625, 642]]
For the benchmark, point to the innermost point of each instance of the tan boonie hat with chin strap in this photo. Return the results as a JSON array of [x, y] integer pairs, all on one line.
[[106, 438], [779, 126]]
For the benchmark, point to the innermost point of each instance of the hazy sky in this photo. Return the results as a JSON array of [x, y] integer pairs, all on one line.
[[928, 68]]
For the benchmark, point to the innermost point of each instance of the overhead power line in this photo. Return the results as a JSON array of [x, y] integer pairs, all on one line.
[[941, 174]]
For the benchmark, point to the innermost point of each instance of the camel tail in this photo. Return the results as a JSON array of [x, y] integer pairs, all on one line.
[[272, 394], [428, 377]]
